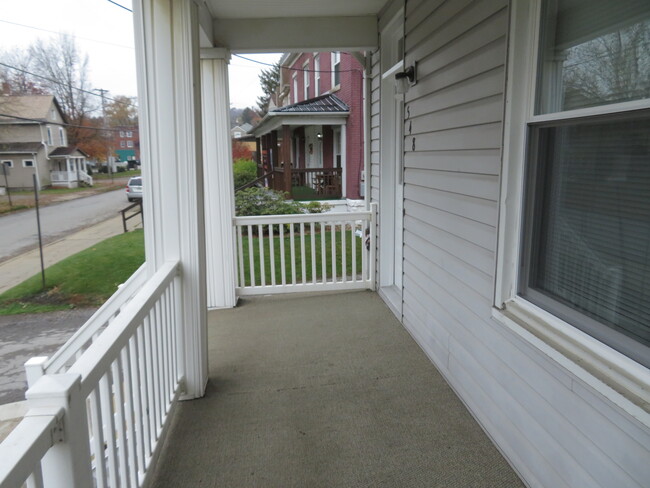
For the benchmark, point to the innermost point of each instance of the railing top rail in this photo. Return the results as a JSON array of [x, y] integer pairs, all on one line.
[[96, 360], [256, 180], [306, 218], [316, 170], [21, 452], [96, 321]]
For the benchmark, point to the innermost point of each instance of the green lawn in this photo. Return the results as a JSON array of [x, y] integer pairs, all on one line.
[[298, 256], [87, 278], [121, 174]]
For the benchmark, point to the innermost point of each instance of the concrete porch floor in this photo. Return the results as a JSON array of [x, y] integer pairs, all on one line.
[[324, 391]]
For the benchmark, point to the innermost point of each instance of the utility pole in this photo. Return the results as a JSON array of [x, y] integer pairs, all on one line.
[[109, 166]]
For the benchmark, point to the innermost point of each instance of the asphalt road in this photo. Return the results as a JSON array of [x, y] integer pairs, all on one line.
[[19, 230], [25, 336]]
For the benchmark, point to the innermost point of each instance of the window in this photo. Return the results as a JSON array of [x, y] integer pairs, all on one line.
[[121, 133], [122, 143], [129, 143], [336, 69], [129, 133], [295, 88], [49, 136], [28, 163], [8, 163], [316, 75], [62, 136], [306, 75], [584, 253]]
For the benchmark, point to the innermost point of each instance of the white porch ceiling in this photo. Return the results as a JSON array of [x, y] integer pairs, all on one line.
[[260, 9]]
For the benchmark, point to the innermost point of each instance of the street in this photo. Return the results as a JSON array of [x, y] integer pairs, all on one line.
[[19, 230]]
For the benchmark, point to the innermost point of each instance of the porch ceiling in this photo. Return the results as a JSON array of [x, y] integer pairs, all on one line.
[[325, 391]]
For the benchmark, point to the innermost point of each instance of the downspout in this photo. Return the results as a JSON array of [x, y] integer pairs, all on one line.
[[47, 157]]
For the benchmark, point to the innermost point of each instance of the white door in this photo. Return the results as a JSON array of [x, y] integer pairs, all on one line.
[[391, 200], [313, 147]]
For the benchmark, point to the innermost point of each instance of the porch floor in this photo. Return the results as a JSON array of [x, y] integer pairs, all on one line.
[[324, 391]]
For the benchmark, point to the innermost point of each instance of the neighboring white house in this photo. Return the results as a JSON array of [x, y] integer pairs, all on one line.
[[33, 141], [508, 151]]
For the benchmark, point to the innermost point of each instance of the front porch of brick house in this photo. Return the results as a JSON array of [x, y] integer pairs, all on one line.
[[324, 391]]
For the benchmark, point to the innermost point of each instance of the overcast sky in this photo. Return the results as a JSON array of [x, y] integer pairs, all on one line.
[[105, 32]]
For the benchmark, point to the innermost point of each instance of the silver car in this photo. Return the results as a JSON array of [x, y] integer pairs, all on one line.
[[134, 188]]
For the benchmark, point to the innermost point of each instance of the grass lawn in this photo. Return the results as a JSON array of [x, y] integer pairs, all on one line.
[[121, 174], [86, 279], [357, 248]]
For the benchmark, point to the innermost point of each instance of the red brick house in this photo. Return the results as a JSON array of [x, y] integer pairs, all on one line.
[[316, 125], [126, 143]]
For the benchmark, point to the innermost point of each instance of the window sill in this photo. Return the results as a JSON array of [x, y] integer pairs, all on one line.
[[621, 380]]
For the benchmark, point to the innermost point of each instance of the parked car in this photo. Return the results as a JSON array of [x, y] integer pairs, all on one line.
[[134, 188]]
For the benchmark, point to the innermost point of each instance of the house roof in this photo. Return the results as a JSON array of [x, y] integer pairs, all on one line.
[[29, 107], [322, 104], [66, 151], [19, 147]]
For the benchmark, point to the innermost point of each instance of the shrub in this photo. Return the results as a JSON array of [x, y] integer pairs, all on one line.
[[244, 171], [263, 201]]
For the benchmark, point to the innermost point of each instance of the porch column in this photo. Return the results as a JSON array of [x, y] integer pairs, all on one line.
[[218, 178], [285, 157], [167, 51]]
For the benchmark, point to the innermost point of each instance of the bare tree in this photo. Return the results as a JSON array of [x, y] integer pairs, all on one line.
[[64, 72], [15, 77]]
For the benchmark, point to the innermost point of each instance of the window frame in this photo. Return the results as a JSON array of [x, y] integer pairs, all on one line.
[[9, 161], [62, 136], [336, 68], [294, 86], [129, 144], [619, 377], [306, 79], [48, 131], [32, 165], [316, 75]]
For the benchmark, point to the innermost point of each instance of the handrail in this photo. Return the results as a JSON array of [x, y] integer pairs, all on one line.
[[306, 218], [97, 321], [21, 452], [97, 359], [125, 218], [256, 180]]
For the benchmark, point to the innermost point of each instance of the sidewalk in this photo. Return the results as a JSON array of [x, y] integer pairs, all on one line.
[[15, 270]]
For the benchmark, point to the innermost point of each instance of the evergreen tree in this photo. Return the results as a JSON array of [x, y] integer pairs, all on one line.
[[269, 79]]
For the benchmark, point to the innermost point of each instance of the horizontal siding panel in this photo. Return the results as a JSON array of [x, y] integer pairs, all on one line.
[[473, 255], [419, 10], [481, 61], [374, 120], [482, 86], [434, 22], [477, 112], [480, 234], [481, 23], [480, 186], [487, 348], [479, 161], [473, 137], [478, 209], [374, 133], [482, 283]]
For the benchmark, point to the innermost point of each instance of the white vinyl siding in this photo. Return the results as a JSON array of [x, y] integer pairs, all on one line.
[[554, 428]]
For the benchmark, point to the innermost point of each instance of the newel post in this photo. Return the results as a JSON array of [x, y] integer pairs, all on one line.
[[67, 464]]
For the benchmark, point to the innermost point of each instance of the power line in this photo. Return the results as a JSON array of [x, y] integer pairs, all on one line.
[[72, 35], [122, 6], [59, 83], [65, 124], [299, 69]]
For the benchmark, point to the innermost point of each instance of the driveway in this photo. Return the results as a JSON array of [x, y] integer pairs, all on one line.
[[19, 230], [25, 336]]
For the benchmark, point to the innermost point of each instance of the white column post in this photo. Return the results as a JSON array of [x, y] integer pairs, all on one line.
[[167, 51], [67, 463], [218, 179]]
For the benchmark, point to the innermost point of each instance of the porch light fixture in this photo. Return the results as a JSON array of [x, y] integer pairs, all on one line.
[[319, 135], [406, 79]]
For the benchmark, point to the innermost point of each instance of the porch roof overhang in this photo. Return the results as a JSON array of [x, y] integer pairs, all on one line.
[[68, 152], [289, 26], [274, 120]]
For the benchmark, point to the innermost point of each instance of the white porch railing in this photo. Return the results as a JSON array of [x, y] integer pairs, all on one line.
[[62, 176], [86, 178], [100, 418], [305, 252]]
